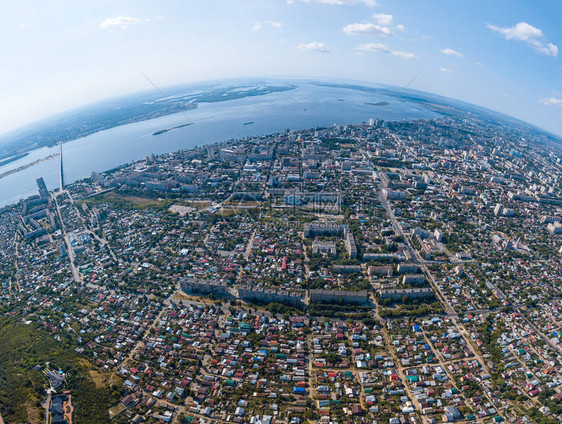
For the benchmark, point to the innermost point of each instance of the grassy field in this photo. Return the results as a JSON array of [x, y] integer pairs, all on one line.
[[127, 202]]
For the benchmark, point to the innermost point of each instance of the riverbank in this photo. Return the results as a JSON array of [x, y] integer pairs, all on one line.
[[13, 158], [27, 165]]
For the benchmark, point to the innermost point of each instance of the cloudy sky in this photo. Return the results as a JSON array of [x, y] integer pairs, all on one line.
[[503, 55]]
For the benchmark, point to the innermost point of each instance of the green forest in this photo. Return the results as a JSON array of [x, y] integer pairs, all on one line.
[[22, 389]]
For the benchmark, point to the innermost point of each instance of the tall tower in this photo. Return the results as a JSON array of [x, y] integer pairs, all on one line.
[[61, 169]]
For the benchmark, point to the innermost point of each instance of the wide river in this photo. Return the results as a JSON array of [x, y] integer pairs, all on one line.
[[307, 106]]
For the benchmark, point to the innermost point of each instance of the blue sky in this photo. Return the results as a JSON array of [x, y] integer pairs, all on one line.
[[503, 55]]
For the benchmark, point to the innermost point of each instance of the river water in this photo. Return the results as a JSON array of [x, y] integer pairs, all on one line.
[[307, 106]]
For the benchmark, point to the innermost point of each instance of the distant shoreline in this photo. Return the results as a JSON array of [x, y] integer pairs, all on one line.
[[27, 165], [270, 116], [13, 158], [170, 129], [87, 121]]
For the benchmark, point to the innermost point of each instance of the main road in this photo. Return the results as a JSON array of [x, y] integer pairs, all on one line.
[[415, 255], [70, 250]]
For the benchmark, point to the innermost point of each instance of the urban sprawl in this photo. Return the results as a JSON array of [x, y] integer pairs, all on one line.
[[387, 272]]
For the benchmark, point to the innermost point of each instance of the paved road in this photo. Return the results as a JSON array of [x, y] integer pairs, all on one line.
[[70, 249], [46, 405], [415, 255], [397, 225], [541, 334], [400, 370], [140, 344], [11, 288]]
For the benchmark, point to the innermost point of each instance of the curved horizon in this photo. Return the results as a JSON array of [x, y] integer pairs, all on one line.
[[14, 133]]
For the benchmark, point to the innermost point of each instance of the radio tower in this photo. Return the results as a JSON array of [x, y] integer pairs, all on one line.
[[61, 170]]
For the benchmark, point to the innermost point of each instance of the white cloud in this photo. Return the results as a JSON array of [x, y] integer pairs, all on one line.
[[529, 35], [551, 101], [120, 22], [378, 47], [522, 31], [367, 29], [451, 52], [369, 3], [315, 47], [383, 19], [275, 24], [403, 55], [382, 25], [446, 70]]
